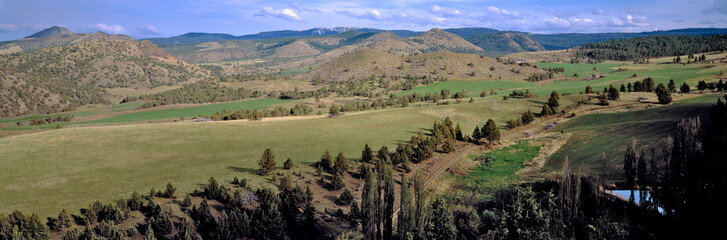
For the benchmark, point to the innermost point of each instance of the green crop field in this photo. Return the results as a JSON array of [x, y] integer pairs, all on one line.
[[611, 132], [71, 167], [500, 169]]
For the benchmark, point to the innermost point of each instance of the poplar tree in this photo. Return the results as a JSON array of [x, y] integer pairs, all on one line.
[[368, 205], [389, 201], [406, 214]]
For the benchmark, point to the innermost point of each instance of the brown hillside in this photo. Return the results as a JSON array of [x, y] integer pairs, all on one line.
[[369, 62], [60, 39], [437, 40], [295, 49]]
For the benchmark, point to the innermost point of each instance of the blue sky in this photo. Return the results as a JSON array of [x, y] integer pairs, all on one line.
[[159, 18]]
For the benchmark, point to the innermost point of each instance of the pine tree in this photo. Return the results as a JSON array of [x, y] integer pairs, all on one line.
[[337, 181], [663, 94], [367, 156], [589, 90], [546, 111], [672, 86], [267, 162], [326, 160], [476, 134], [613, 93], [135, 201], [684, 88], [169, 192], [629, 87], [553, 100], [341, 166], [449, 146], [623, 88], [701, 85], [383, 154], [527, 117], [490, 131]]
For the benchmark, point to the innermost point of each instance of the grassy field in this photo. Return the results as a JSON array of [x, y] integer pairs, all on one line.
[[71, 167], [473, 87], [168, 113], [611, 132], [500, 169]]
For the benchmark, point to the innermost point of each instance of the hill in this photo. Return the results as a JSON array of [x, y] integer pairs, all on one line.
[[52, 31], [54, 36], [367, 62], [496, 44], [437, 40], [568, 40], [66, 77]]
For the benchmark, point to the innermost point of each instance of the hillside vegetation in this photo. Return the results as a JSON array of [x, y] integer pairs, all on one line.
[[66, 77], [54, 36]]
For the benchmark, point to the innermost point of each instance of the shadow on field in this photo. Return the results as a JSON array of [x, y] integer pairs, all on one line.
[[539, 102], [242, 169]]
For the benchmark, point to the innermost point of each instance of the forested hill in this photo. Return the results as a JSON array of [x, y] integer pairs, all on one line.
[[652, 47], [567, 40], [66, 77]]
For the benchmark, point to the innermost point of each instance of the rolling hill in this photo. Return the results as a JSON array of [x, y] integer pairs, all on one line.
[[66, 77], [54, 36]]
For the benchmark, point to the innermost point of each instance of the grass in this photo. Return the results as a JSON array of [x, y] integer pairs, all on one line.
[[168, 113], [611, 132], [473, 87], [501, 168], [72, 167]]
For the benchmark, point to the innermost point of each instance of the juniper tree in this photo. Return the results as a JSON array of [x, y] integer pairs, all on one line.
[[476, 134], [367, 156], [441, 226], [326, 160], [672, 86], [341, 165], [288, 164], [662, 94], [527, 117], [589, 90], [383, 154], [490, 131], [553, 101], [267, 162], [613, 93], [684, 88], [623, 88], [546, 111], [458, 133]]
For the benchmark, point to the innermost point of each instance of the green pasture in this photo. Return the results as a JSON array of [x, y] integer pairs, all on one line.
[[500, 168], [473, 87]]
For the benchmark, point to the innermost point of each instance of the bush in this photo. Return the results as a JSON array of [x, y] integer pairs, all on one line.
[[346, 198]]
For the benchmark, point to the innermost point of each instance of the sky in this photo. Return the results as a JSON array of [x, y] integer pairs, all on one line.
[[163, 18]]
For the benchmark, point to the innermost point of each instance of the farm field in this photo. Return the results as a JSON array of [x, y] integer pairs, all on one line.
[[71, 167], [151, 114], [611, 132]]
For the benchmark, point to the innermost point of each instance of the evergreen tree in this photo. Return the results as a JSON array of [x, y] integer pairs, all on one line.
[[553, 100], [628, 87], [701, 85], [267, 162], [546, 111], [419, 212], [334, 111], [341, 166], [337, 181], [672, 86], [367, 156], [589, 90], [369, 217], [648, 84], [186, 231], [405, 222], [490, 131], [441, 226], [389, 201], [527, 117], [623, 88], [630, 168], [613, 93], [449, 146], [134, 202], [663, 94], [288, 164], [684, 88], [326, 160], [383, 154], [169, 192], [458, 133], [476, 134]]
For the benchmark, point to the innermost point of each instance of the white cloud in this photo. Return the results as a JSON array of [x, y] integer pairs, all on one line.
[[570, 24], [495, 11], [285, 14], [445, 11], [629, 21], [8, 27], [147, 31], [371, 14], [599, 12], [110, 29], [300, 8], [561, 14]]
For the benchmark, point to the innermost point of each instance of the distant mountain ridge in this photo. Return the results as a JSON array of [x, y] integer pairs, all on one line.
[[52, 31], [52, 37]]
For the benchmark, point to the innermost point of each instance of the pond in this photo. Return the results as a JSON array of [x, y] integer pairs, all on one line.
[[637, 198]]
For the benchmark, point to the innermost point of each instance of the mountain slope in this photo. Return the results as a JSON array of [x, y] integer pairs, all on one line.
[[367, 62], [437, 40], [66, 77], [54, 36], [496, 44]]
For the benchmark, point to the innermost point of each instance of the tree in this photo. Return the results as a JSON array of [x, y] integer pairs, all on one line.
[[527, 117], [648, 84], [288, 164], [458, 133], [326, 160], [701, 85], [341, 166], [186, 230], [476, 135], [623, 88], [369, 217], [553, 100], [405, 222], [345, 198], [663, 94], [367, 155], [684, 88], [383, 154], [441, 226], [134, 202], [672, 86], [589, 90], [389, 201], [613, 93], [490, 131], [630, 168], [334, 111], [267, 162], [169, 192], [419, 212], [449, 146], [546, 111]]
